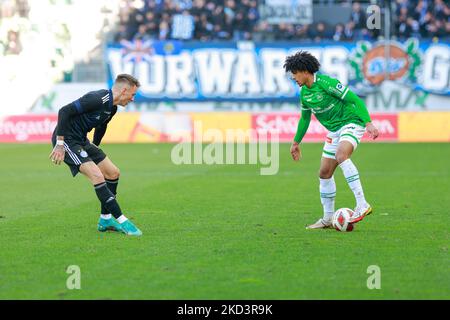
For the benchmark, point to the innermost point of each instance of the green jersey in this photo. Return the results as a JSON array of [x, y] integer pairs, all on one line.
[[332, 103]]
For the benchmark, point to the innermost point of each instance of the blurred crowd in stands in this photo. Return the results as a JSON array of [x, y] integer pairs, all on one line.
[[208, 20], [26, 34], [236, 20], [10, 42], [422, 18]]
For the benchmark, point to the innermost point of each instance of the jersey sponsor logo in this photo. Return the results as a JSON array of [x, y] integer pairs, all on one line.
[[322, 110], [329, 140], [340, 87]]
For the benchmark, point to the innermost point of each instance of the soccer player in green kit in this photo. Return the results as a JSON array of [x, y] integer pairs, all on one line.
[[346, 118]]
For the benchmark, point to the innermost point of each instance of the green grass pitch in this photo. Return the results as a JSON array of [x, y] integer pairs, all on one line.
[[225, 231]]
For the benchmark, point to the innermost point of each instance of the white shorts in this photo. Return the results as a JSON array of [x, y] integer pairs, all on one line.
[[350, 132]]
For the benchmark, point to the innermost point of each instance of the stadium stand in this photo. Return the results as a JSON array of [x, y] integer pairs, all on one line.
[[240, 20], [34, 35]]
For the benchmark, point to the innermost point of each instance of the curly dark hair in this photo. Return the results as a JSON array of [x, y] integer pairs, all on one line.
[[301, 61]]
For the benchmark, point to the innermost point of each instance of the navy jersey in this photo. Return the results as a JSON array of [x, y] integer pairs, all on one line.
[[93, 110]]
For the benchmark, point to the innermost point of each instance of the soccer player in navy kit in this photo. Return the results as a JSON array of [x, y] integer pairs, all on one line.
[[71, 145]]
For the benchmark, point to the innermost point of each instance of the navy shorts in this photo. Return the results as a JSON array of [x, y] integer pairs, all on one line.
[[78, 153]]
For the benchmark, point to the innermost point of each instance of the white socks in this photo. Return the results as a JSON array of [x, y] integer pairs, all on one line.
[[351, 174], [121, 219], [327, 195]]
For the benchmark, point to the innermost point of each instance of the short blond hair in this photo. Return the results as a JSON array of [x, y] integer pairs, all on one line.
[[128, 79]]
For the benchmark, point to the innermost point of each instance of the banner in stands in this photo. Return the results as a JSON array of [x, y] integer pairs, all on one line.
[[286, 11], [253, 72]]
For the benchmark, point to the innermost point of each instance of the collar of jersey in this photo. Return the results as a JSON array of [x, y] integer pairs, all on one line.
[[314, 77]]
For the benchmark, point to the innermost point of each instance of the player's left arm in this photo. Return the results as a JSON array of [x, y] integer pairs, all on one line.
[[101, 130], [361, 110]]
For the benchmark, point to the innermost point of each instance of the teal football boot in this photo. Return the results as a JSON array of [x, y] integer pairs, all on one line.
[[130, 229], [109, 225]]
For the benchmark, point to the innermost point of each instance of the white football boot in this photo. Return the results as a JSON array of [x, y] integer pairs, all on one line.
[[361, 212], [320, 224]]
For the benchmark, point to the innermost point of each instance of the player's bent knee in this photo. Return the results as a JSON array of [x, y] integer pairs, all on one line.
[[341, 157], [116, 173], [325, 173], [112, 174]]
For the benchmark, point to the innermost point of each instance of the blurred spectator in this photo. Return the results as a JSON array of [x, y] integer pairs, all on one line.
[[198, 7], [402, 26], [302, 32], [218, 18], [151, 21], [230, 8], [164, 30], [13, 45], [121, 34], [183, 4], [339, 32], [349, 30], [359, 19], [285, 31], [133, 21], [358, 16], [440, 10], [225, 31], [155, 6], [240, 20], [204, 28], [438, 29], [142, 33], [421, 18], [253, 13], [264, 31], [320, 32], [240, 25]]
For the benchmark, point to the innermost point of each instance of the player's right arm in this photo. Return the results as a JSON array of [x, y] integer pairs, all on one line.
[[89, 102], [302, 127], [64, 116]]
